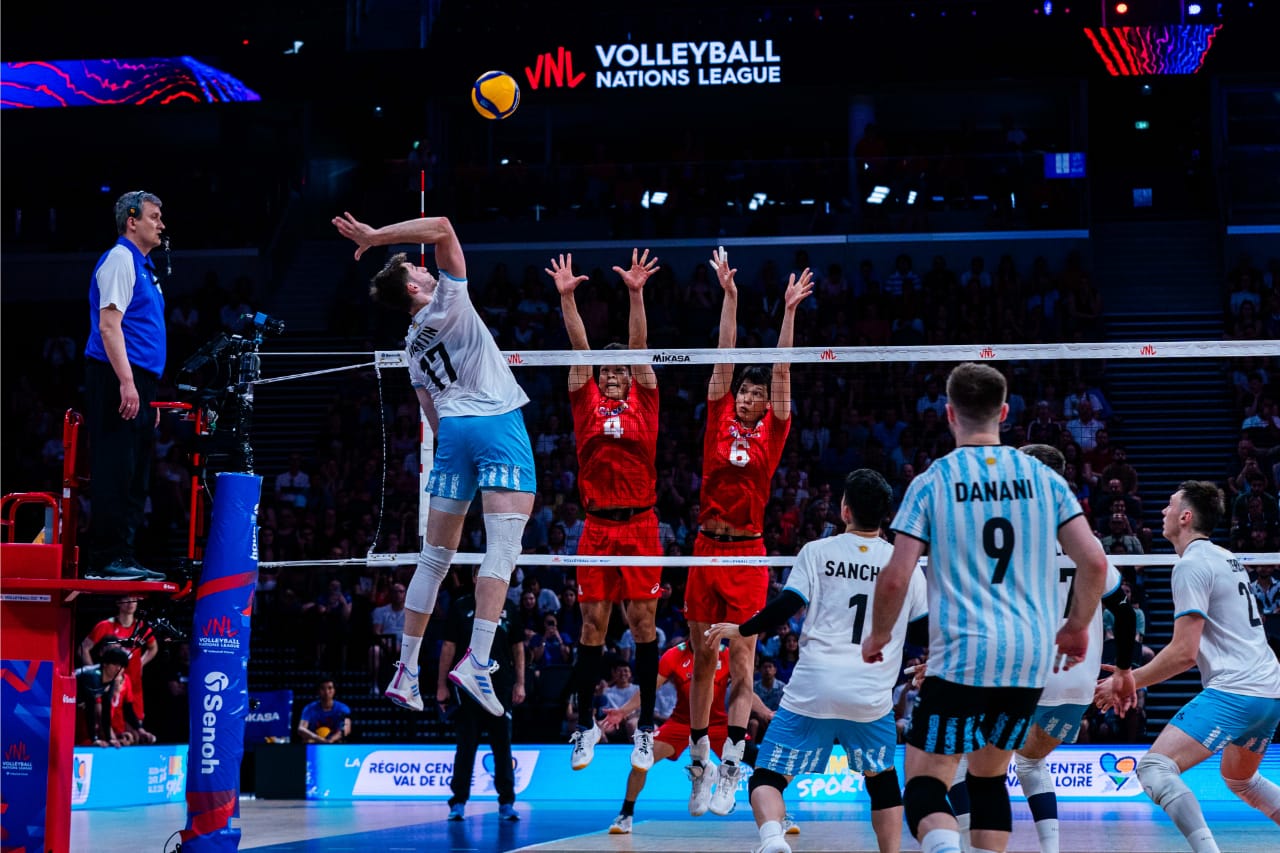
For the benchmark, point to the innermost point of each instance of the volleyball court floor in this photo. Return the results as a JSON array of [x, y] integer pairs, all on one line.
[[278, 826]]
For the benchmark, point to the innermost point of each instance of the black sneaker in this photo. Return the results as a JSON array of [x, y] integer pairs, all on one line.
[[151, 574], [117, 570]]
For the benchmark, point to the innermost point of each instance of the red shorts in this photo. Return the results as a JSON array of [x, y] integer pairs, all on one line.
[[635, 537], [725, 593], [676, 736]]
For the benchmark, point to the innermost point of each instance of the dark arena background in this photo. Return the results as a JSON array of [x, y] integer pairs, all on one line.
[[1083, 193]]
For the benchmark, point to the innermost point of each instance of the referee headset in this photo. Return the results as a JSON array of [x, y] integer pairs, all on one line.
[[135, 205]]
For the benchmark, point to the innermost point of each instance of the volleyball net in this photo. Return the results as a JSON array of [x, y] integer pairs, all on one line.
[[851, 407]]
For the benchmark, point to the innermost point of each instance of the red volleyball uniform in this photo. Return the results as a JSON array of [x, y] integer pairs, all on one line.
[[738, 465], [676, 666], [737, 469], [617, 441], [142, 633]]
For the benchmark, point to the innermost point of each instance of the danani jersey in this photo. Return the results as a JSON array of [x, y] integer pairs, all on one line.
[[452, 354], [990, 516], [617, 442], [1075, 686], [1234, 656], [676, 666], [836, 577], [738, 465]]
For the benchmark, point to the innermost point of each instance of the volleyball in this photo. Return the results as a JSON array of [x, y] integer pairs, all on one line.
[[495, 94]]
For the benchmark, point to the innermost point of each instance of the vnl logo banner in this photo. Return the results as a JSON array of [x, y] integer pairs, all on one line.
[[657, 65]]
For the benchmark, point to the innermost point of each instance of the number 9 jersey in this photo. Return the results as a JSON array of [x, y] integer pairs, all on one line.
[[990, 516], [452, 354]]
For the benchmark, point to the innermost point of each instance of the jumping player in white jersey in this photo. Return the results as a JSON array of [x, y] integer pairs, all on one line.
[[473, 403], [833, 695], [991, 518], [1067, 695], [1217, 628]]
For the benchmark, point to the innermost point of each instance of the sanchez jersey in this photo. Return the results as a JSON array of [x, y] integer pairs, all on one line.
[[452, 354], [1075, 686], [676, 666], [836, 577], [617, 442], [738, 465], [1234, 656], [990, 516]]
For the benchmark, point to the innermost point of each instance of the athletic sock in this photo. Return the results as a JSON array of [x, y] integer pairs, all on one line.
[[409, 648], [940, 841], [737, 734], [482, 640], [628, 808], [696, 735]]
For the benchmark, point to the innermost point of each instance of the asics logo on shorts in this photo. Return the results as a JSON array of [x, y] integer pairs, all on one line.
[[655, 589]]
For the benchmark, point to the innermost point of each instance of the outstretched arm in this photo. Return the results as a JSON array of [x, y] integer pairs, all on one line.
[[561, 271], [891, 594], [722, 375], [436, 230], [798, 290], [638, 327]]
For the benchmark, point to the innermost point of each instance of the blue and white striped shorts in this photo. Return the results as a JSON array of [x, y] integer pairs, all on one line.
[[482, 451], [796, 744], [1061, 722], [1217, 719]]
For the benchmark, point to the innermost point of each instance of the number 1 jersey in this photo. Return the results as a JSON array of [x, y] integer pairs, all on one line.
[[453, 356]]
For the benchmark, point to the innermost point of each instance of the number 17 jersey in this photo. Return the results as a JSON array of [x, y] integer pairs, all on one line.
[[990, 516], [453, 356]]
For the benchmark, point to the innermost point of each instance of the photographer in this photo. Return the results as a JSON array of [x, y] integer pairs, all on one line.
[[134, 636], [96, 719]]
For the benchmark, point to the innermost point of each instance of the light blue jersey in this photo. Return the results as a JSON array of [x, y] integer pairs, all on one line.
[[990, 516]]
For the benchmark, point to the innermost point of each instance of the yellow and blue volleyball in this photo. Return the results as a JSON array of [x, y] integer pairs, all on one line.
[[495, 94]]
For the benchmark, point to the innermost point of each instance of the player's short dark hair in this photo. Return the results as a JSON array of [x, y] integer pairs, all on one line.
[[595, 371], [868, 496], [323, 680], [112, 653], [1048, 454], [756, 374], [390, 287], [1206, 502], [976, 392]]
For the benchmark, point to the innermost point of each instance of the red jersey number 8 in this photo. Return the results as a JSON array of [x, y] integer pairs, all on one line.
[[613, 426], [739, 452]]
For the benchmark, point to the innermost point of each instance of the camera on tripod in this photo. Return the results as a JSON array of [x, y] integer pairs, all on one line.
[[219, 378]]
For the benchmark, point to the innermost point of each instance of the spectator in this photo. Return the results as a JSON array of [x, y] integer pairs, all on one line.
[[627, 643], [548, 601], [293, 486], [1084, 427], [1043, 429], [617, 694], [1267, 591], [569, 616], [1120, 469], [324, 720], [933, 398], [1114, 500], [788, 655], [550, 648], [769, 689], [332, 613], [135, 637], [1119, 539], [388, 626]]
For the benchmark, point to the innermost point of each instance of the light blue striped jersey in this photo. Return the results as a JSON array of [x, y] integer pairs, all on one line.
[[990, 516]]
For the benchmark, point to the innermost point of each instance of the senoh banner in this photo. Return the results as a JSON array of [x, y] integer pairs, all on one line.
[[218, 686]]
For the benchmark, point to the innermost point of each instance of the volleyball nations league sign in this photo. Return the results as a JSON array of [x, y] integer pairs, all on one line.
[[656, 65], [219, 694]]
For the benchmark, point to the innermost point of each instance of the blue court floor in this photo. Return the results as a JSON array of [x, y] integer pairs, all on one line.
[[274, 826]]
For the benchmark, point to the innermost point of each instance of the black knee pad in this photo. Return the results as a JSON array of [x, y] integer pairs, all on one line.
[[764, 778], [883, 790], [924, 796], [989, 803]]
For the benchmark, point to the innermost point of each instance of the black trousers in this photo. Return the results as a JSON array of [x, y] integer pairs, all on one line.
[[468, 723], [120, 456]]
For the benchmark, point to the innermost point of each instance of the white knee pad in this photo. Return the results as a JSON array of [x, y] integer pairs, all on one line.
[[1262, 794], [453, 506], [503, 531], [1034, 777], [433, 566], [1161, 779]]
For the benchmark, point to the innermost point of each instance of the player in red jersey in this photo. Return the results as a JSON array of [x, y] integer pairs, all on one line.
[[615, 421], [746, 431]]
